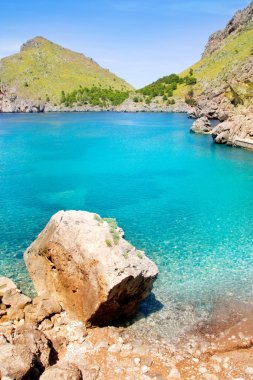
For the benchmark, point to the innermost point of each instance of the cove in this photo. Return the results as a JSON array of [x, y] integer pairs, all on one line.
[[184, 200]]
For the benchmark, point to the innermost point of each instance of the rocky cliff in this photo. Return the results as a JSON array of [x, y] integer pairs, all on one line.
[[241, 21], [224, 88]]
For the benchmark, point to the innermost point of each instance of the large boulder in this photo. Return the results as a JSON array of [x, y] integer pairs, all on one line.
[[84, 263]]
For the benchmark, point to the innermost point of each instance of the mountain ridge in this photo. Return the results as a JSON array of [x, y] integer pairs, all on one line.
[[43, 69]]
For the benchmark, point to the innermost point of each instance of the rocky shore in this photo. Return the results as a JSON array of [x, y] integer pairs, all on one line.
[[86, 275], [10, 102]]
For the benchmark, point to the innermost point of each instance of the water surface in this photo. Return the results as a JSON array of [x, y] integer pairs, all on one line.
[[187, 202]]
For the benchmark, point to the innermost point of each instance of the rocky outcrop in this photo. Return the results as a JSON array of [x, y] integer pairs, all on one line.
[[241, 20], [62, 371], [201, 126], [10, 102], [236, 131], [84, 262]]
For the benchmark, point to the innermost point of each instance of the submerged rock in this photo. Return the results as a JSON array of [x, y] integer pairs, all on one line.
[[83, 262]]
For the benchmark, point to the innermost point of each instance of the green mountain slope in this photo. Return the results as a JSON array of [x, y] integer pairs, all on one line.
[[228, 69], [225, 69], [42, 70]]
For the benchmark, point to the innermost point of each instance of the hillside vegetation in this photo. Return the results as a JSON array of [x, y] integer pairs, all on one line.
[[226, 68], [42, 70]]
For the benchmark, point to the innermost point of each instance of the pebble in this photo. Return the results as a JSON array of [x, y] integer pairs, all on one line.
[[137, 361], [145, 369], [115, 347], [202, 370], [216, 367], [216, 358], [249, 370], [175, 373], [102, 344], [210, 376]]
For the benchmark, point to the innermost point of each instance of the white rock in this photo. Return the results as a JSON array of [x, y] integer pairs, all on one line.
[[145, 369], [174, 372], [137, 361], [249, 370]]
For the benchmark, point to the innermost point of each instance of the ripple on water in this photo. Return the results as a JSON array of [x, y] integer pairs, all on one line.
[[186, 202]]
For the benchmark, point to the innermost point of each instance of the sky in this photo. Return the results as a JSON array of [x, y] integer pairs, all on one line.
[[139, 40]]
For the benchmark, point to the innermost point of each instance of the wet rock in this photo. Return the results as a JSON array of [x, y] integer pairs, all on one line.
[[85, 264]]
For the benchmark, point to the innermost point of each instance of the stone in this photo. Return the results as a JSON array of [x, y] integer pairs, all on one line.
[[174, 373], [41, 308], [15, 299], [84, 263], [62, 371], [145, 369], [249, 370], [6, 284], [201, 125], [236, 131], [210, 376], [26, 356], [36, 341]]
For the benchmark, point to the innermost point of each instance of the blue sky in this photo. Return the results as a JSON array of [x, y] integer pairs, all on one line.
[[139, 40]]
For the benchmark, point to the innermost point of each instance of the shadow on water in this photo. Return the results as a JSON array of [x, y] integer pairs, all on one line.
[[147, 307]]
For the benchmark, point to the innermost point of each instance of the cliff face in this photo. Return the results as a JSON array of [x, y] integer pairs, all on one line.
[[241, 20], [225, 73], [225, 81]]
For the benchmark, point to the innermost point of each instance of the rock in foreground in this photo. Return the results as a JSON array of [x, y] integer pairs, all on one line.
[[83, 262]]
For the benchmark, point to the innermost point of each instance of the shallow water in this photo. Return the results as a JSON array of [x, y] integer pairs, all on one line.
[[187, 202]]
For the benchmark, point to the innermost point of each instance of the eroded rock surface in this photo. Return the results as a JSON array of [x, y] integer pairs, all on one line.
[[202, 126], [236, 131], [24, 354], [62, 371], [84, 262]]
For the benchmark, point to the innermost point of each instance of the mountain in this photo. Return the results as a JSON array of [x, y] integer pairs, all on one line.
[[225, 72], [42, 70], [221, 80]]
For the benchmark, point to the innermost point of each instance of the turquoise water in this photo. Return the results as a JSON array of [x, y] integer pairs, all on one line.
[[187, 202]]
